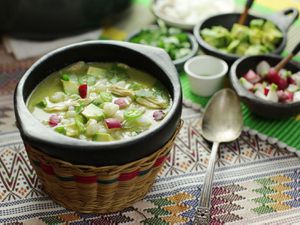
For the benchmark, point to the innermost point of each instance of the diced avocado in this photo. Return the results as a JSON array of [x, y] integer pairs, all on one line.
[[95, 71], [93, 112], [242, 48], [240, 32], [233, 45], [255, 36], [217, 36], [102, 137], [256, 23], [70, 87]]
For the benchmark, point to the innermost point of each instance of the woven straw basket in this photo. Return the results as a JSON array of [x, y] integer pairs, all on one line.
[[90, 189]]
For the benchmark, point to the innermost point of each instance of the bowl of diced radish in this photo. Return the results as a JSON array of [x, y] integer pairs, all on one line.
[[267, 93]]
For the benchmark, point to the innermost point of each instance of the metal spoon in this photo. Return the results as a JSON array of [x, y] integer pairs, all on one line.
[[222, 122]]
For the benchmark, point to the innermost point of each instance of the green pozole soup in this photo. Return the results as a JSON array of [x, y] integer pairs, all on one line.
[[100, 101]]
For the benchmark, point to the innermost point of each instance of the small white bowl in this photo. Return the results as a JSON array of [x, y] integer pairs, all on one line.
[[206, 74]]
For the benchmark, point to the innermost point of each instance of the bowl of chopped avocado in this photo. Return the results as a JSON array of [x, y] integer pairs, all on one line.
[[223, 37], [180, 45]]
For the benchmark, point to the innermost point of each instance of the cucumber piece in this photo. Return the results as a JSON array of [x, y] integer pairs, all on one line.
[[93, 112], [102, 137], [70, 87]]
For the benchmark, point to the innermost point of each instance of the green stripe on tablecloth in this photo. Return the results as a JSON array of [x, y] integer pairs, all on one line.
[[145, 2], [287, 131]]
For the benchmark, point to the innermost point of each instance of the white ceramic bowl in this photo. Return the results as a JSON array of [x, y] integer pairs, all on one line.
[[195, 10], [205, 74]]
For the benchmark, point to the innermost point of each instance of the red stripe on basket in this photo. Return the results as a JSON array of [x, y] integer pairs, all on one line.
[[159, 161], [47, 169], [86, 180], [128, 176]]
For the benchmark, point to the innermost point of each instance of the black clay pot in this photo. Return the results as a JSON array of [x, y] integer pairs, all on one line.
[[151, 60], [265, 109], [283, 20], [49, 19]]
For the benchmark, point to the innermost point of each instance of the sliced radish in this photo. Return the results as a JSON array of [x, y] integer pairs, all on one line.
[[296, 78], [158, 115], [296, 96], [121, 102], [292, 88], [272, 94], [290, 96], [252, 77], [260, 94], [112, 123], [54, 120], [83, 90], [266, 91], [273, 76], [290, 80], [263, 68], [246, 83]]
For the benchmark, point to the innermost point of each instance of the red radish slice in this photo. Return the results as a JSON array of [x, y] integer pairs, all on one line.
[[266, 91], [252, 77], [121, 102], [83, 90], [158, 115], [290, 80], [274, 77], [290, 96], [285, 96], [112, 123], [282, 84], [54, 120]]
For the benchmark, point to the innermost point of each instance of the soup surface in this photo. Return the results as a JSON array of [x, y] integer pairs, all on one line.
[[100, 101]]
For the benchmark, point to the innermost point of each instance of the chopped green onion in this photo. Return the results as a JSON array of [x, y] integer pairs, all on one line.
[[65, 77], [60, 130], [131, 114]]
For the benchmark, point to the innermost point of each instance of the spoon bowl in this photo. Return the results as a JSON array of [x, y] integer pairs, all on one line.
[[222, 120]]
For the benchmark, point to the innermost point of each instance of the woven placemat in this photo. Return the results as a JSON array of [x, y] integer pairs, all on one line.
[[255, 180]]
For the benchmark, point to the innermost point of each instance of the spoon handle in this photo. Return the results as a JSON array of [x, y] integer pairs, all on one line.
[[202, 215]]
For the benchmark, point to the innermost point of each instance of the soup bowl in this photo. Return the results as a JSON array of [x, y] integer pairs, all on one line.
[[283, 20], [62, 162]]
